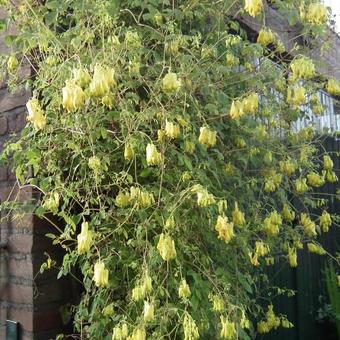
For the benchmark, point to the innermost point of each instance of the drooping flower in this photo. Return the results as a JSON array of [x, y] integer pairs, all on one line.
[[171, 84], [172, 130], [103, 81], [129, 152], [287, 213], [316, 14], [120, 332], [327, 163], [228, 329], [325, 221], [122, 199], [153, 157], [333, 87], [82, 77], [207, 136], [302, 68], [315, 180], [301, 185], [287, 167], [204, 198], [217, 302], [94, 163], [190, 328], [296, 95], [73, 96], [35, 114], [238, 216], [184, 290], [253, 7], [232, 60], [315, 248], [266, 37], [138, 293], [224, 228], [12, 63], [236, 109], [261, 249], [308, 225], [251, 103], [84, 239], [292, 257], [149, 311], [166, 247], [101, 275], [138, 333]]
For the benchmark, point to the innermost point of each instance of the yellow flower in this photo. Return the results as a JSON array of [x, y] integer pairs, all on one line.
[[218, 303], [12, 63], [129, 152], [153, 157], [94, 163], [315, 180], [301, 185], [52, 202], [253, 7], [244, 322], [251, 103], [253, 259], [102, 81], [166, 247], [296, 96], [272, 182], [172, 130], [120, 333], [138, 333], [286, 324], [266, 37], [207, 136], [316, 14], [184, 290], [141, 199], [261, 249], [270, 261], [84, 239], [228, 330], [204, 198], [314, 248], [73, 96], [229, 169], [122, 199], [35, 114], [302, 68], [238, 216], [287, 213], [149, 311], [327, 163], [107, 101], [333, 87], [325, 221], [190, 328], [231, 60], [224, 228], [287, 167], [101, 275], [308, 225], [330, 176], [170, 83], [236, 109], [292, 257], [108, 310], [138, 293]]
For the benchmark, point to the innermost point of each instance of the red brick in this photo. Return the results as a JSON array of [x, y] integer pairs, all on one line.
[[3, 125], [20, 268], [20, 243], [22, 315], [20, 293]]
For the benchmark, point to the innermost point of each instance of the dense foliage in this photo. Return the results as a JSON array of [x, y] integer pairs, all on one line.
[[165, 140]]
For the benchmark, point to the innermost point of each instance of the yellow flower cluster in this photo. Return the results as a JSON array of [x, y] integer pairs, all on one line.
[[272, 181], [296, 96], [85, 239], [184, 290], [217, 302], [292, 256], [287, 167], [170, 83], [325, 221], [120, 332], [204, 198], [138, 333], [232, 60], [12, 63], [94, 163], [272, 321], [153, 157], [287, 213], [333, 87], [103, 81], [266, 37], [52, 202], [272, 223], [301, 185], [149, 311], [302, 68], [172, 130], [315, 180], [143, 288], [228, 329], [330, 176], [316, 14], [261, 249], [253, 7], [190, 328], [129, 152], [249, 104], [315, 248], [238, 216], [166, 247], [207, 136], [35, 114], [308, 225], [224, 228], [327, 163], [101, 274], [73, 96], [139, 198]]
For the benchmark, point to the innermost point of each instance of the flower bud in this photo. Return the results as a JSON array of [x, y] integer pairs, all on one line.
[[153, 157], [101, 275], [184, 290], [166, 247], [84, 239]]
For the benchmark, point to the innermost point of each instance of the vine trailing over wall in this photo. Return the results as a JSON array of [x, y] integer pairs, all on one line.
[[162, 137]]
